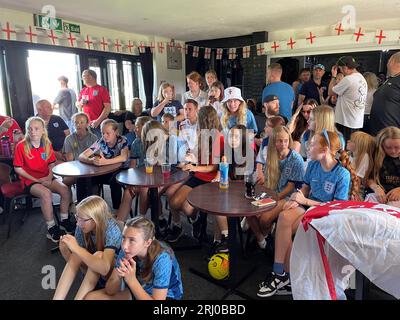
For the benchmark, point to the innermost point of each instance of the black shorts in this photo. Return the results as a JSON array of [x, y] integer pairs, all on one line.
[[194, 182], [27, 189]]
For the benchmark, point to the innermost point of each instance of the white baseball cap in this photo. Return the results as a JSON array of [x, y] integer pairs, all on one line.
[[232, 93]]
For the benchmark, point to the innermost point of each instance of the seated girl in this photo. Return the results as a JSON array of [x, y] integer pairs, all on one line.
[[92, 250], [235, 110], [146, 269], [325, 180], [75, 144], [33, 162], [136, 161], [111, 148], [362, 148], [385, 182], [284, 172], [202, 170]]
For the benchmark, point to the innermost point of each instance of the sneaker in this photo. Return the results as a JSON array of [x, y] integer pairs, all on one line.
[[196, 225], [272, 284], [286, 290], [222, 246], [174, 234], [163, 225], [54, 233], [244, 225], [68, 226]]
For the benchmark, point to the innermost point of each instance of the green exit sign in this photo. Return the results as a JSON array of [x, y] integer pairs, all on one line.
[[71, 27], [47, 22]]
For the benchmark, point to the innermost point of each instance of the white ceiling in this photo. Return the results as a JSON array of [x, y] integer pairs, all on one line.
[[208, 19]]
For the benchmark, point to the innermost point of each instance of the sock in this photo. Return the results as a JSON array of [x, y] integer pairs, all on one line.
[[64, 216], [50, 224], [217, 241], [262, 244], [225, 233], [278, 268]]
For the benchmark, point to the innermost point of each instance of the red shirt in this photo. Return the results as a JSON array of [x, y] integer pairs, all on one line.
[[98, 95], [217, 152], [9, 133], [36, 166]]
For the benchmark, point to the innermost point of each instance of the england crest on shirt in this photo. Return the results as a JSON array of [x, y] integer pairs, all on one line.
[[329, 187]]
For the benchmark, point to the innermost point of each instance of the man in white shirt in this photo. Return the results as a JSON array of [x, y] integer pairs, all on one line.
[[352, 96]]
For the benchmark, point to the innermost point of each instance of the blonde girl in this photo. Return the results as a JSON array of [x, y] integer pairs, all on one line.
[[166, 103], [215, 97], [283, 174], [385, 181], [34, 160], [325, 180], [235, 110], [93, 249], [111, 148], [362, 148], [146, 269]]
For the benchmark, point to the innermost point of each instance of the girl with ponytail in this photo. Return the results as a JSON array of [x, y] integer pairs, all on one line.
[[146, 269], [325, 180]]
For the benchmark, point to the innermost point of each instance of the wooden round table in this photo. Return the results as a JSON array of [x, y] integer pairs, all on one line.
[[79, 169], [209, 198], [83, 173], [137, 177]]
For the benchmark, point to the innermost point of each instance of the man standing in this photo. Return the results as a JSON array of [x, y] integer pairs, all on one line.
[[94, 100], [65, 102], [314, 88], [281, 89], [385, 110], [352, 96]]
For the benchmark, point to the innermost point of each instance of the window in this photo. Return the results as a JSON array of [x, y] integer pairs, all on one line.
[[3, 109], [95, 66], [128, 83], [113, 84], [142, 94], [44, 69]]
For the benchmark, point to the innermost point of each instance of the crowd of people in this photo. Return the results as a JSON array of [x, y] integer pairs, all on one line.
[[311, 143]]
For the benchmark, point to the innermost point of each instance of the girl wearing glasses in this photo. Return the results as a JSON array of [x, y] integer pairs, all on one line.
[[93, 249], [325, 180]]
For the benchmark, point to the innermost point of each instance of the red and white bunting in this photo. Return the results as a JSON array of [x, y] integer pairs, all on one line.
[[53, 37], [71, 40], [179, 47], [291, 43], [275, 46], [358, 34], [88, 42], [8, 33], [260, 49], [129, 47], [232, 53], [104, 44], [117, 46], [246, 52], [339, 29], [195, 52], [207, 53], [161, 47], [380, 36], [311, 37], [171, 45], [219, 53], [142, 47], [30, 35], [152, 47]]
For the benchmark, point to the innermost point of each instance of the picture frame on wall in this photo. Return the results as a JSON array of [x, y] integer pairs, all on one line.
[[174, 58]]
